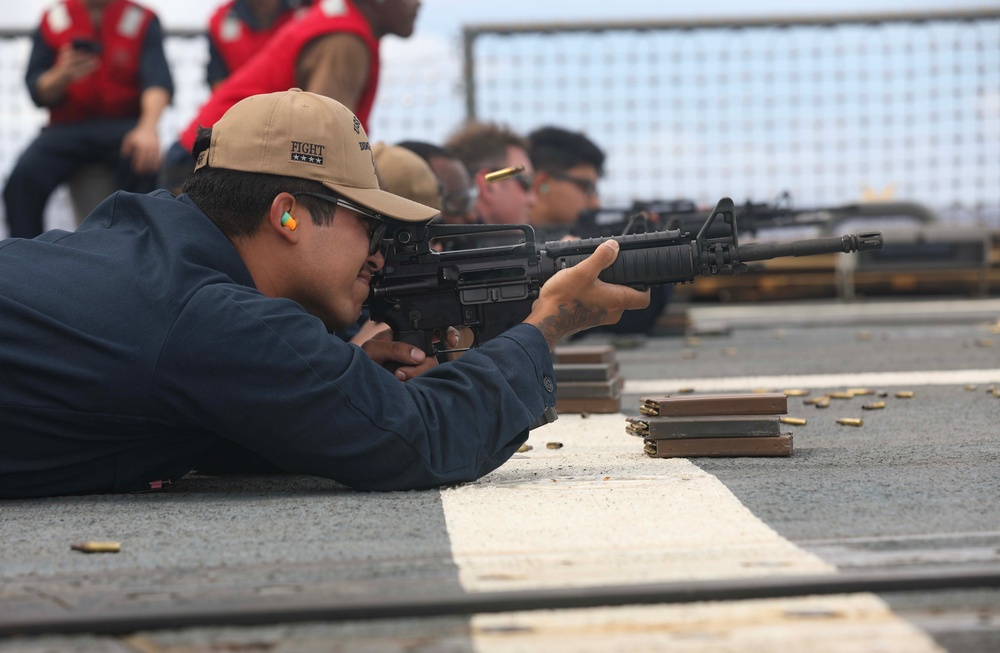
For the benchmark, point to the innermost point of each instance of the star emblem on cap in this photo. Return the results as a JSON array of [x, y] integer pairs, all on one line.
[[308, 158]]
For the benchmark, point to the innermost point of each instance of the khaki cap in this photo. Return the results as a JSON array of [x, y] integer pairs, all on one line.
[[298, 134], [406, 174]]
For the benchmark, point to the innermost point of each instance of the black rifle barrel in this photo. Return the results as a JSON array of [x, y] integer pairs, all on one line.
[[847, 244]]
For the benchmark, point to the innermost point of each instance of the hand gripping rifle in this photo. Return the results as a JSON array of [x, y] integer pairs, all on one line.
[[490, 289]]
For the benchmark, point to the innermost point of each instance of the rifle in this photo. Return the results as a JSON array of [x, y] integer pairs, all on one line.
[[658, 215], [491, 289]]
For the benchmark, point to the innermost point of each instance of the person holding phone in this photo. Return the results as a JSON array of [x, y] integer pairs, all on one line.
[[333, 50], [99, 67]]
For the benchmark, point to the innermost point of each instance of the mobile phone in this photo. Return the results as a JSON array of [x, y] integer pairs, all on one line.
[[86, 45]]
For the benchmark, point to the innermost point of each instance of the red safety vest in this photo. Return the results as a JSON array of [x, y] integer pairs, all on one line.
[[236, 41], [113, 90], [272, 69]]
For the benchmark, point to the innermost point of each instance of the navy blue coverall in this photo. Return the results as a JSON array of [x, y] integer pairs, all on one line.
[[137, 346]]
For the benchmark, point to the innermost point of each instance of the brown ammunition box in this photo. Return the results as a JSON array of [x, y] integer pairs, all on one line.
[[769, 403], [577, 355], [585, 371], [716, 426], [601, 406], [778, 445], [584, 389]]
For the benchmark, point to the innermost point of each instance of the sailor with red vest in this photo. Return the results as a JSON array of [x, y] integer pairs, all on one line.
[[333, 50], [100, 69], [239, 28], [236, 32]]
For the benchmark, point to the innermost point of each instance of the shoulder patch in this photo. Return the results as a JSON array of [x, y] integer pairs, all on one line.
[[58, 18], [333, 7], [130, 22], [230, 30]]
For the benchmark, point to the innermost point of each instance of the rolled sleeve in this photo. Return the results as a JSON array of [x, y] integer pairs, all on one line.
[[154, 71], [216, 70], [42, 58]]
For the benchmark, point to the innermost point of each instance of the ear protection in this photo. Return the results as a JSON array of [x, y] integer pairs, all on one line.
[[288, 221], [543, 188]]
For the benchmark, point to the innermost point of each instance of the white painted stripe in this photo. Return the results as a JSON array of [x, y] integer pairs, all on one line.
[[780, 382], [829, 313], [597, 511], [913, 558], [911, 537], [863, 309]]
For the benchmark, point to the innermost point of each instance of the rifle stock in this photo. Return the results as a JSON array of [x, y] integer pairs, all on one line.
[[420, 291]]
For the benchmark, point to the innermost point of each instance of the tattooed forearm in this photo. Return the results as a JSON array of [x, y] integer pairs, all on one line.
[[570, 319]]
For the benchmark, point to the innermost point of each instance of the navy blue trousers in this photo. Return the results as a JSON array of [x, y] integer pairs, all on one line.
[[53, 157]]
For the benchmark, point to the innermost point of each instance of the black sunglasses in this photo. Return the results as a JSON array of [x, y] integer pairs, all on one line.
[[459, 202], [588, 187], [524, 180], [376, 223]]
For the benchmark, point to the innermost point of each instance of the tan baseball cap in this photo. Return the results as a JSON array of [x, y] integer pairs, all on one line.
[[299, 134], [405, 173]]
